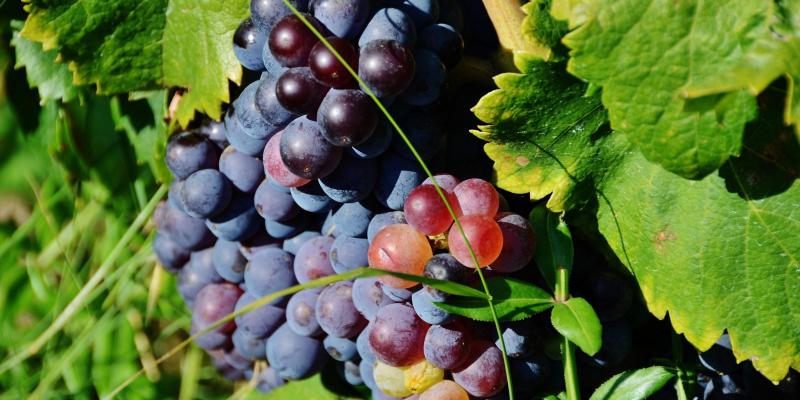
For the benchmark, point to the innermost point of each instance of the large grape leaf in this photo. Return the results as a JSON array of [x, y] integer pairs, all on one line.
[[133, 45], [52, 79], [718, 253], [645, 53]]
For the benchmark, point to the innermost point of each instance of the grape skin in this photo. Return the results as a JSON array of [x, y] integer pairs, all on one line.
[[348, 254], [352, 219], [293, 245], [239, 139], [447, 346], [386, 67], [390, 24], [248, 43], [276, 169], [484, 236], [205, 193], [249, 346], [484, 376], [399, 248], [196, 274], [300, 314], [383, 220], [519, 243], [335, 312], [327, 68], [260, 322], [291, 41], [298, 91], [397, 335], [266, 13], [312, 260], [228, 261], [347, 116], [426, 310], [368, 297], [286, 228], [294, 356], [243, 171], [343, 18], [444, 390], [477, 197], [427, 213], [305, 151], [273, 204], [312, 198], [214, 302], [238, 221], [397, 177], [353, 180], [340, 349], [268, 272], [188, 152], [170, 255]]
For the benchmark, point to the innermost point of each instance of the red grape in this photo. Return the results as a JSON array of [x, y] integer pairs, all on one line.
[[399, 248], [477, 197], [485, 375], [444, 390], [274, 166], [519, 243], [445, 181], [483, 234], [397, 335], [427, 213], [214, 302]]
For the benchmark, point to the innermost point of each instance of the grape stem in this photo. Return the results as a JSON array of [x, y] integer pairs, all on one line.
[[507, 16], [677, 357], [567, 347]]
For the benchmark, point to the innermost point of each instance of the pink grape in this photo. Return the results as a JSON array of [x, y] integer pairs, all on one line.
[[214, 302], [312, 260], [477, 197], [444, 390], [397, 335], [447, 346], [427, 213], [274, 166], [445, 181], [483, 234], [399, 248], [485, 375]]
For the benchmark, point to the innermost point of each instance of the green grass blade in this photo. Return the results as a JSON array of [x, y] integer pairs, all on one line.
[[85, 292]]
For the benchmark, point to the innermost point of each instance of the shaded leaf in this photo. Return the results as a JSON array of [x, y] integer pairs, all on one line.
[[513, 300], [576, 320], [633, 385], [52, 79]]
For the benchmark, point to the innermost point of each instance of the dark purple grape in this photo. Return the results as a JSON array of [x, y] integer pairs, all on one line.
[[243, 171], [447, 346], [340, 349], [485, 375], [169, 254], [386, 67], [249, 346], [397, 335], [205, 193], [291, 41], [299, 92], [188, 152], [519, 243], [348, 117], [198, 272], [260, 322], [248, 44], [444, 267], [293, 245], [444, 41], [274, 204], [312, 260], [305, 152], [229, 261], [238, 221], [268, 272], [327, 68], [335, 312], [214, 302], [368, 297], [300, 315]]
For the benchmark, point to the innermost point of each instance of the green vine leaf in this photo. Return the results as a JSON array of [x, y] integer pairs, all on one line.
[[130, 45], [633, 385], [513, 299], [717, 254], [53, 80], [643, 53], [576, 320]]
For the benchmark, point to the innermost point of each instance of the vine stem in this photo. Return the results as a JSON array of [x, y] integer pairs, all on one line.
[[677, 356], [567, 347], [507, 16]]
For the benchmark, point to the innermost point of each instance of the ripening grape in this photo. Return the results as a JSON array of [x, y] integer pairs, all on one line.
[[421, 376], [445, 181], [485, 375], [477, 197], [391, 380], [260, 322], [300, 316], [427, 213], [305, 151], [214, 302], [368, 296], [445, 390], [188, 152], [484, 236], [397, 335], [447, 346], [312, 260], [274, 166], [335, 312], [399, 248]]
